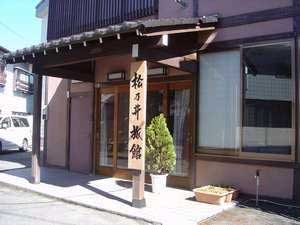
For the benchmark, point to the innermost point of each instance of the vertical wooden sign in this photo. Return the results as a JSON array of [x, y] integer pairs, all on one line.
[[137, 115]]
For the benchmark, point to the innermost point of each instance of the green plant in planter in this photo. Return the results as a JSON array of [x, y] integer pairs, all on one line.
[[160, 150]]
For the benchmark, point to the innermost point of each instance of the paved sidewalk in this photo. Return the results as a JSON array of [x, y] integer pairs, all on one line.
[[175, 206], [27, 208]]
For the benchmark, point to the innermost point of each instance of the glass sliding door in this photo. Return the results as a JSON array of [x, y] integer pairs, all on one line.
[[107, 109], [179, 111], [173, 100], [154, 104], [123, 123]]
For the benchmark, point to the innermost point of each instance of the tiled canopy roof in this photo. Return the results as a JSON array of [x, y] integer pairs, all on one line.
[[126, 27]]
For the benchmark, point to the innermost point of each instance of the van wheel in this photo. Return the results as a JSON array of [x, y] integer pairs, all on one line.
[[24, 145]]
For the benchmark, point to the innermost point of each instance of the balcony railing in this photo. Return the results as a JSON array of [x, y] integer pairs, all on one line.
[[68, 17]]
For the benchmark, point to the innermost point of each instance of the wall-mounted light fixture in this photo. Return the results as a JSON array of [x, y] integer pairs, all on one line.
[[157, 71], [116, 76]]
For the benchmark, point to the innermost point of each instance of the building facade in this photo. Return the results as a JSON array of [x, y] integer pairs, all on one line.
[[16, 88], [228, 85]]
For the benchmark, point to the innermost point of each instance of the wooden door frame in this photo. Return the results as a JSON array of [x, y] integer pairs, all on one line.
[[114, 171]]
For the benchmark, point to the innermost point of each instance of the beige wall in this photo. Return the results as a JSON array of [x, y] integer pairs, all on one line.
[[57, 121], [119, 63], [275, 182], [109, 64]]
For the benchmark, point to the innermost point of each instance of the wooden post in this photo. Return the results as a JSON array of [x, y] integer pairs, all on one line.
[[137, 130], [138, 183], [36, 129]]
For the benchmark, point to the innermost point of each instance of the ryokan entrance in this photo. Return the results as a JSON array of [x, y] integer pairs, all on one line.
[[172, 99]]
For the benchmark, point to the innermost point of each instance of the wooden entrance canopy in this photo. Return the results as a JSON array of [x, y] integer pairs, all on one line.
[[184, 36], [173, 42]]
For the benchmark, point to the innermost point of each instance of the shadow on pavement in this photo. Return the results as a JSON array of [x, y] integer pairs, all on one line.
[[286, 208]]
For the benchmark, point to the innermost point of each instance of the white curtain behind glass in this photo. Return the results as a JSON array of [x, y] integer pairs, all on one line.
[[219, 100]]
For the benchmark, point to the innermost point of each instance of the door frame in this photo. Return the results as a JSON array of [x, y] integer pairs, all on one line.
[[176, 181]]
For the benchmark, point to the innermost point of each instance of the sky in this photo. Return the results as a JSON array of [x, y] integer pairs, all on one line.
[[19, 28]]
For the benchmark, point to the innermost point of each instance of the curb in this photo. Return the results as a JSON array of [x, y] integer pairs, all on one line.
[[79, 203]]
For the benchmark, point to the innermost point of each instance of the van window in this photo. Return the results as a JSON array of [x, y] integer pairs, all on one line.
[[23, 122], [6, 121], [15, 121]]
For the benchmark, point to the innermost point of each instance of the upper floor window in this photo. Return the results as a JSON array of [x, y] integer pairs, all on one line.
[[23, 81]]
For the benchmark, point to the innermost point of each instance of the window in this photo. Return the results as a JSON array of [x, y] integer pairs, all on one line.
[[15, 122], [219, 102], [23, 122], [2, 75], [23, 81], [20, 122], [6, 121], [268, 99]]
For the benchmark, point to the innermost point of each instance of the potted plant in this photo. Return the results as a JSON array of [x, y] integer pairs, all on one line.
[[214, 194], [160, 153]]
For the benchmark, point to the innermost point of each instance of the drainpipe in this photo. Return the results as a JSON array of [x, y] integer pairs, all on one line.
[[257, 175], [195, 8], [68, 95]]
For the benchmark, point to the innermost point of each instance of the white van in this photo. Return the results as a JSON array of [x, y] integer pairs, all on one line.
[[15, 133]]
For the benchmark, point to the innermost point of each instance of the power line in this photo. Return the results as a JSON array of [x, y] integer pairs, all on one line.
[[13, 31]]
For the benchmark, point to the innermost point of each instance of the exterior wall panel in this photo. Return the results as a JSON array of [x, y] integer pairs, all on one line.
[[82, 87], [171, 9], [57, 122], [275, 182], [237, 7], [81, 123], [255, 29]]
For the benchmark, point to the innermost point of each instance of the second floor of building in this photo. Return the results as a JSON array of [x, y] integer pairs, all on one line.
[[63, 18]]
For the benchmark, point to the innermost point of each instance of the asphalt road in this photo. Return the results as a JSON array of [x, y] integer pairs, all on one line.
[[24, 208], [14, 159]]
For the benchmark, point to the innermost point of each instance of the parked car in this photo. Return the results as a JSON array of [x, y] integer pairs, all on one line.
[[15, 133]]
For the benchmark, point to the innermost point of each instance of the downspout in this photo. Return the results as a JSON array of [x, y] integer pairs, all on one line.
[[68, 150], [195, 8]]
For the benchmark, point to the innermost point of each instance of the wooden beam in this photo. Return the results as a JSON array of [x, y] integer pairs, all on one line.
[[176, 31], [68, 74], [161, 56], [36, 129]]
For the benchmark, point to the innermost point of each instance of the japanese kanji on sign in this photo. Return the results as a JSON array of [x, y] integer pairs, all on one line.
[[137, 115]]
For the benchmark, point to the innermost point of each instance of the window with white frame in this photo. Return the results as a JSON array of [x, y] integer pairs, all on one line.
[[219, 101]]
